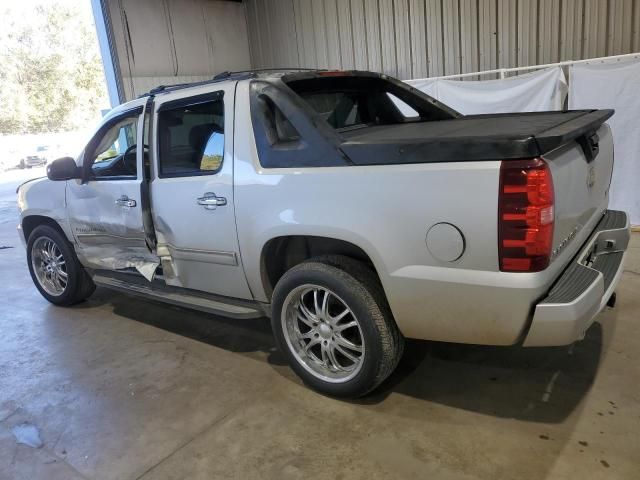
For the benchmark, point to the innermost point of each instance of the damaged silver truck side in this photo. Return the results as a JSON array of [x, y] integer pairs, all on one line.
[[352, 209]]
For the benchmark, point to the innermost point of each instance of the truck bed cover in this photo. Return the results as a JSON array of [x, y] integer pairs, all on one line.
[[470, 138]]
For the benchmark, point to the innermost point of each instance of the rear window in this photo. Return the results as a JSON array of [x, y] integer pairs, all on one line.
[[346, 102]]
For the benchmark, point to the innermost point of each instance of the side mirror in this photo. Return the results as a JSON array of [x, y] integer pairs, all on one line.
[[64, 168]]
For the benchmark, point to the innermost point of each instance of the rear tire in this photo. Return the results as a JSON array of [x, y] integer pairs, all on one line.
[[55, 269], [348, 357]]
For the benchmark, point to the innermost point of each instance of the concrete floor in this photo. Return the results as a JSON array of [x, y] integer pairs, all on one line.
[[120, 388]]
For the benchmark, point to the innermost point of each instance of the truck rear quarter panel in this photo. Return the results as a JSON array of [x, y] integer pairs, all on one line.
[[386, 211]]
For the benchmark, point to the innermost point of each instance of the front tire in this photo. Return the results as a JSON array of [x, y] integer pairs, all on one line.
[[55, 269], [331, 319]]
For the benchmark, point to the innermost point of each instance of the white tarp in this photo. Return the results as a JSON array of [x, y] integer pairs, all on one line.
[[615, 85], [533, 92]]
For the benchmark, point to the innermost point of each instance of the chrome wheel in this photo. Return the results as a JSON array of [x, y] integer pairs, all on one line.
[[323, 333], [49, 266]]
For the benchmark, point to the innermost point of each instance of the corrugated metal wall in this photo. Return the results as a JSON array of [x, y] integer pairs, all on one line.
[[174, 41], [426, 38]]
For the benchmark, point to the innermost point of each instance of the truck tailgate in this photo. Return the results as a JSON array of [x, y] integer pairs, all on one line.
[[581, 187]]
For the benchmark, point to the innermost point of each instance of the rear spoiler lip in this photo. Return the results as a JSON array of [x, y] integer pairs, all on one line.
[[475, 148], [568, 131]]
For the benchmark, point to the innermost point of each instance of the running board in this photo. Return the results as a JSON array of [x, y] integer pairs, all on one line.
[[198, 301]]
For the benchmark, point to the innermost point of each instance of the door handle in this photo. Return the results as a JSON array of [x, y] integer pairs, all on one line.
[[125, 201], [210, 201]]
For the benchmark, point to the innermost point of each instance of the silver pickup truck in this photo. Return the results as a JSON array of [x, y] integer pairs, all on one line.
[[350, 208]]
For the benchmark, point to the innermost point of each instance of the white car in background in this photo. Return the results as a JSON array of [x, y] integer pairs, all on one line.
[[35, 159]]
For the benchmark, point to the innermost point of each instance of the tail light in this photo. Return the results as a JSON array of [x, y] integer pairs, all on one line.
[[526, 216]]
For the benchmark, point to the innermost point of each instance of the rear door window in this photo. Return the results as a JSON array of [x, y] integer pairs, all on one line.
[[191, 139]]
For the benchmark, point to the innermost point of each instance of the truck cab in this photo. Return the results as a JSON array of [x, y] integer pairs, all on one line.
[[186, 168]]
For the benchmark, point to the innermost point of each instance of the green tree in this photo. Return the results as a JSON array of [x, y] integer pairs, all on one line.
[[51, 76]]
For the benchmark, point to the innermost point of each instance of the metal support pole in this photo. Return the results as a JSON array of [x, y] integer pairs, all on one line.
[[107, 52]]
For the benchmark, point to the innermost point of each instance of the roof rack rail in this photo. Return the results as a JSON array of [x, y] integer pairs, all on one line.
[[162, 88], [227, 75], [223, 75], [178, 86]]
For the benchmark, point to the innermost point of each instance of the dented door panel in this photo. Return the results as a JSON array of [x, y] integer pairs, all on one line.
[[105, 215], [109, 236]]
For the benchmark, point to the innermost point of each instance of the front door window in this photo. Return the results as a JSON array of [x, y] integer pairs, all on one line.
[[115, 153]]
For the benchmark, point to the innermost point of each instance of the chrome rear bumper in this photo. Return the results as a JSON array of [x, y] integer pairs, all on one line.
[[584, 288]]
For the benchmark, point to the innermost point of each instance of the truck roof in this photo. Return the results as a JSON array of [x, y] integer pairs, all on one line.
[[219, 78], [222, 77]]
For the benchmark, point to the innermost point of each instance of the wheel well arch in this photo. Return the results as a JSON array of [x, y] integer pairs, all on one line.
[[30, 222], [283, 253]]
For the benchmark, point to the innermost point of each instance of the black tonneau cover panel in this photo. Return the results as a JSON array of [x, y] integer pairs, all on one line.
[[470, 138]]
